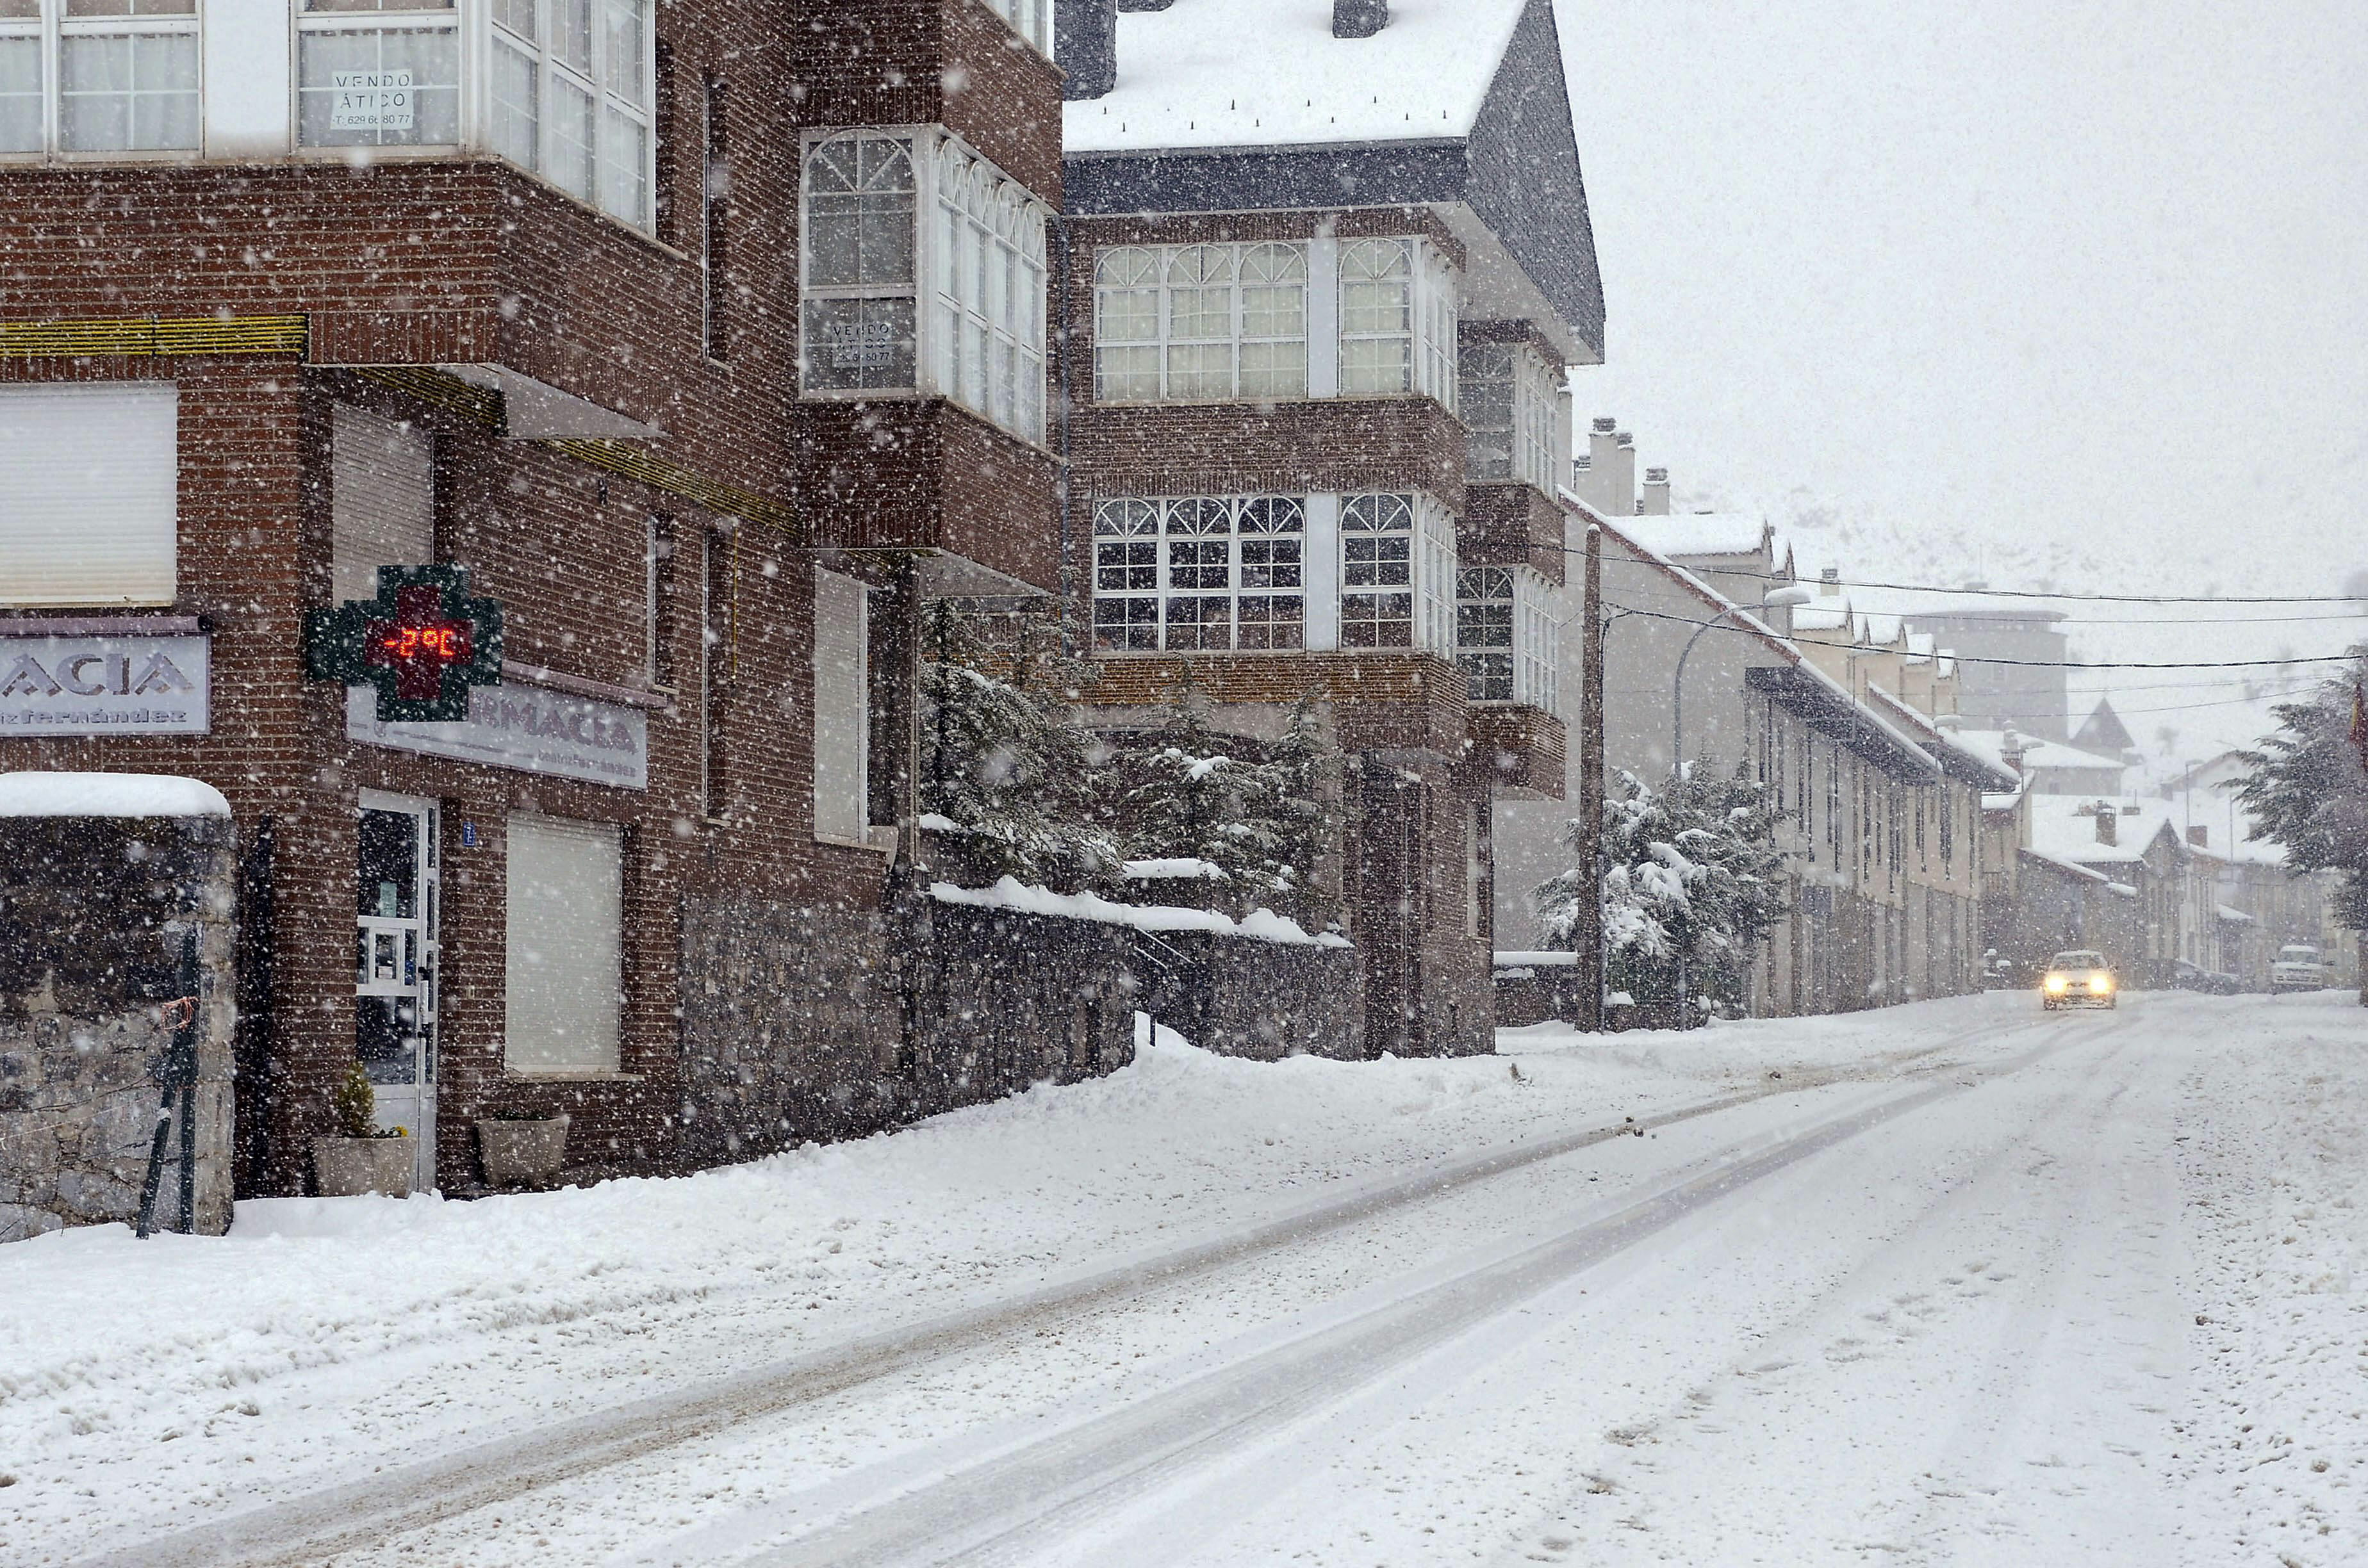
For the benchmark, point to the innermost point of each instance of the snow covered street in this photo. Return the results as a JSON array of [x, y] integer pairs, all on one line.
[[1954, 1283]]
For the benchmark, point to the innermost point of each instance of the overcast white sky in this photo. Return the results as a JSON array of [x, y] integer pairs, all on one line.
[[2015, 291]]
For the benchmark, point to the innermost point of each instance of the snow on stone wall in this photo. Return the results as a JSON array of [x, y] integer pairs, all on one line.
[[91, 913]]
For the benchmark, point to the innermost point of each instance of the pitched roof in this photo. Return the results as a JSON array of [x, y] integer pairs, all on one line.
[[1682, 534]]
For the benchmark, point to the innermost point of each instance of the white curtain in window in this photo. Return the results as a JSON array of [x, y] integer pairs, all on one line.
[[841, 708], [89, 486], [381, 500], [564, 960]]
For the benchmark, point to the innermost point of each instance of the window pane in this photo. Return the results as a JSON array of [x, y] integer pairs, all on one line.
[[885, 239], [571, 31], [1201, 369], [853, 345], [628, 39], [572, 123], [624, 174], [128, 94], [1274, 370], [1377, 365], [20, 95], [1126, 375], [517, 16], [518, 124], [391, 87]]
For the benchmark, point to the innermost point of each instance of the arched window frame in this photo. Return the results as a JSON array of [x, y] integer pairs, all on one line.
[[1211, 322], [979, 281]]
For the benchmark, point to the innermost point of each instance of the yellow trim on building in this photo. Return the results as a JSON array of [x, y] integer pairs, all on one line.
[[150, 335]]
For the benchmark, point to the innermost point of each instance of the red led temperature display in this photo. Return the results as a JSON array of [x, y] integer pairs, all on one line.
[[419, 644]]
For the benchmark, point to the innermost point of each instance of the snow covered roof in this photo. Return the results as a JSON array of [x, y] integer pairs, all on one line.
[[2065, 827], [2070, 868], [60, 794], [2036, 753], [1554, 960], [1215, 74], [2237, 916], [1679, 535], [1824, 615]]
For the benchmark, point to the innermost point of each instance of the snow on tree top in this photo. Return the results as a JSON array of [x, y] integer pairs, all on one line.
[[1263, 925], [57, 794], [1270, 74]]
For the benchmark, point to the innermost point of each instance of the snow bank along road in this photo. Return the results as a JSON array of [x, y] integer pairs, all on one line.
[[1963, 1283]]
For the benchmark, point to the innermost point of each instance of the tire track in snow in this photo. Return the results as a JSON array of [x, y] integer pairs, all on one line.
[[1969, 1424], [305, 1530], [1068, 1479]]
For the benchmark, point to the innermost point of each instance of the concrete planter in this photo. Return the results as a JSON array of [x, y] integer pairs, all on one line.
[[523, 1153], [348, 1168]]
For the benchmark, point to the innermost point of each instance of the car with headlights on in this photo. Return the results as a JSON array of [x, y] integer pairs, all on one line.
[[2077, 978]]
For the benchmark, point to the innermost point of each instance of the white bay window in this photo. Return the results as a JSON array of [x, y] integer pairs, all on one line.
[[1200, 321], [923, 272], [98, 75], [1237, 321], [1200, 573], [1505, 639], [1517, 412], [571, 86], [1259, 573]]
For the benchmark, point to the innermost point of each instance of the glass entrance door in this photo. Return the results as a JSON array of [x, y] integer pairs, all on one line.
[[394, 968]]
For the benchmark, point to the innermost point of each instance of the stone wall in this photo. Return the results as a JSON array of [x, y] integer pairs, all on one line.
[[812, 1023], [92, 910], [1239, 996]]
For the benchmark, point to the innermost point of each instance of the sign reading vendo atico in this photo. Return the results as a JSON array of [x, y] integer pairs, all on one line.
[[104, 684]]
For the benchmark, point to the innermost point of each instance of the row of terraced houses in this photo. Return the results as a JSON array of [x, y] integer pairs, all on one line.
[[719, 341]]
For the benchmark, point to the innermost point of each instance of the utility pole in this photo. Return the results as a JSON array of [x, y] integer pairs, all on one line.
[[1586, 933]]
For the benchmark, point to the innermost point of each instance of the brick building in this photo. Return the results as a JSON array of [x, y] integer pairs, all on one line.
[[1316, 345], [293, 291]]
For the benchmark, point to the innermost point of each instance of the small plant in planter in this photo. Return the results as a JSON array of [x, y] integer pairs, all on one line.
[[522, 1148], [362, 1157]]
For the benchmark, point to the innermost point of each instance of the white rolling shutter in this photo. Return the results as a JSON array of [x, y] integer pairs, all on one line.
[[565, 959], [89, 484], [841, 720], [381, 500]]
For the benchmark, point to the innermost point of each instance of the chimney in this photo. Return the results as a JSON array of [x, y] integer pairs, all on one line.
[[2011, 747], [1358, 18], [1085, 42], [1829, 582], [2109, 824], [1597, 465], [1620, 484], [1656, 493], [2199, 835]]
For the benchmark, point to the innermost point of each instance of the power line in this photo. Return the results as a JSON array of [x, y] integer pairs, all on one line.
[[2014, 593], [2034, 664]]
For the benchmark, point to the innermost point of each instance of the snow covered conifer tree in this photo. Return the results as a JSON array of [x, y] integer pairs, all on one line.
[[2308, 791], [1256, 813], [1005, 762], [1691, 885]]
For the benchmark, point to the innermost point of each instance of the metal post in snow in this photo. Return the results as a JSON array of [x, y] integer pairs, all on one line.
[[1588, 939], [176, 1077]]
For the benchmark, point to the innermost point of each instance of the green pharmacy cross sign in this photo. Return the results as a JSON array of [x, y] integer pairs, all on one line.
[[423, 642]]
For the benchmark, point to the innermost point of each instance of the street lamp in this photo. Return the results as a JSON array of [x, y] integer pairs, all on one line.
[[1785, 598]]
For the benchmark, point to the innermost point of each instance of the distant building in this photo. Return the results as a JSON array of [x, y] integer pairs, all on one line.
[[2103, 732], [2014, 667]]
